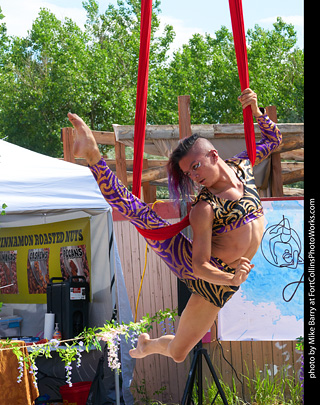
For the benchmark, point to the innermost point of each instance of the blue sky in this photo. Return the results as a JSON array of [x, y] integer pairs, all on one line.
[[186, 16]]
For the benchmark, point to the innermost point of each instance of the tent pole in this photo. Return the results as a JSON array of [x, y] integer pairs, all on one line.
[[113, 297]]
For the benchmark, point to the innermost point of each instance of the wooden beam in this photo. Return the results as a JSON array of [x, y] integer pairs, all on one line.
[[121, 169], [160, 183], [297, 155], [154, 173], [129, 163], [101, 137], [291, 142], [149, 191], [184, 116], [67, 138], [210, 131], [293, 176], [293, 192], [291, 172], [104, 138], [291, 166], [286, 166], [276, 170]]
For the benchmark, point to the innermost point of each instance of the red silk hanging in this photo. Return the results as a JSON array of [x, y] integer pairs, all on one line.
[[166, 232], [142, 94], [239, 38], [140, 123], [141, 104]]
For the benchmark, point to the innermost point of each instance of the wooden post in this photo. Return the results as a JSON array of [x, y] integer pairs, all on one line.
[[184, 131], [67, 138], [184, 116], [276, 171], [149, 192], [121, 167]]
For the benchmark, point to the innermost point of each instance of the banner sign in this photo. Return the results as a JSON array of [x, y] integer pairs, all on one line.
[[269, 304], [30, 256]]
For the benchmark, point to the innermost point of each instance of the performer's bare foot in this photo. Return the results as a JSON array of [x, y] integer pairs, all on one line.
[[85, 145], [140, 351]]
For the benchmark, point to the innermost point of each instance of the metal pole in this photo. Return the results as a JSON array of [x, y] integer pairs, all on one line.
[[113, 295], [200, 376]]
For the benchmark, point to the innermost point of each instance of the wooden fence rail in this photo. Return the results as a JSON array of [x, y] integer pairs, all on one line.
[[155, 171]]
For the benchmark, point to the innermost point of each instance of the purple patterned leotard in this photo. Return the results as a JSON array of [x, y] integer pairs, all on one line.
[[177, 251]]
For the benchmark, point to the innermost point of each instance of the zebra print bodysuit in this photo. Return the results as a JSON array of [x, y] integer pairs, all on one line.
[[177, 251], [231, 214], [228, 215]]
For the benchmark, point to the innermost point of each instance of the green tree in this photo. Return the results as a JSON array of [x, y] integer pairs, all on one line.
[[206, 69], [59, 67], [42, 72], [276, 69]]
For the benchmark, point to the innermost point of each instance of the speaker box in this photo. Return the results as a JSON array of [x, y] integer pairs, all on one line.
[[69, 301]]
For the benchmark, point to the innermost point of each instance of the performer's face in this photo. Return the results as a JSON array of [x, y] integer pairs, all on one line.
[[200, 164]]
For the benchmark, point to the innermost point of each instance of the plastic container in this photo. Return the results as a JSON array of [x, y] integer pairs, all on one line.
[[77, 394], [57, 333], [10, 326]]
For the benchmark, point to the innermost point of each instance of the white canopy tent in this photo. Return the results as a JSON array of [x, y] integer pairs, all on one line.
[[34, 182], [38, 190]]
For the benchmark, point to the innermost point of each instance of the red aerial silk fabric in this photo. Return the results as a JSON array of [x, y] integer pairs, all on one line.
[[239, 38], [142, 94], [141, 104], [165, 232], [140, 123]]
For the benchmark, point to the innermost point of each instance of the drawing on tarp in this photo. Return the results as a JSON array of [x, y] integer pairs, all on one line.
[[269, 305]]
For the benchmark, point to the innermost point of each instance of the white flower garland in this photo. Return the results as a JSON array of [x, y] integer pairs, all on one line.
[[111, 333]]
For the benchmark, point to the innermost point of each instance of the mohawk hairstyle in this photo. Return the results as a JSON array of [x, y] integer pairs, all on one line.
[[178, 183]]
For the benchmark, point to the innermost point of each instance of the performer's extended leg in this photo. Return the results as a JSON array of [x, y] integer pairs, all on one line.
[[199, 313], [196, 319]]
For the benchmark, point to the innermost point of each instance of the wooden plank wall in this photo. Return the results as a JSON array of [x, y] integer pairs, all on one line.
[[159, 291]]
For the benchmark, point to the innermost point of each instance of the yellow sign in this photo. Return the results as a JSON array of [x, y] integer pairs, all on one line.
[[30, 256]]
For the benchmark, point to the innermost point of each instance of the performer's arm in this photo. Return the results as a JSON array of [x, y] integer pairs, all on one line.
[[201, 218], [270, 138], [270, 135]]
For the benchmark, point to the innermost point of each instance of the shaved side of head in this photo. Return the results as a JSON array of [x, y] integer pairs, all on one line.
[[202, 145], [179, 183]]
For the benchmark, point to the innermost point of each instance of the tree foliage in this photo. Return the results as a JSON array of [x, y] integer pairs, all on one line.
[[59, 67]]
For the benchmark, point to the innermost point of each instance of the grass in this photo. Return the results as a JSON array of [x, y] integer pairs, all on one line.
[[281, 389], [262, 390]]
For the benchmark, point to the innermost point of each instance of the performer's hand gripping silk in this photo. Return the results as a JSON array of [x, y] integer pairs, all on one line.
[[226, 220]]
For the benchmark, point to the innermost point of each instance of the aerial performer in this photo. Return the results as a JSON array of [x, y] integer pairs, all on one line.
[[226, 219]]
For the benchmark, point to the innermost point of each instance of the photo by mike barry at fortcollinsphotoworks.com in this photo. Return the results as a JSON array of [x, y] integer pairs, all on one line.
[[310, 353]]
